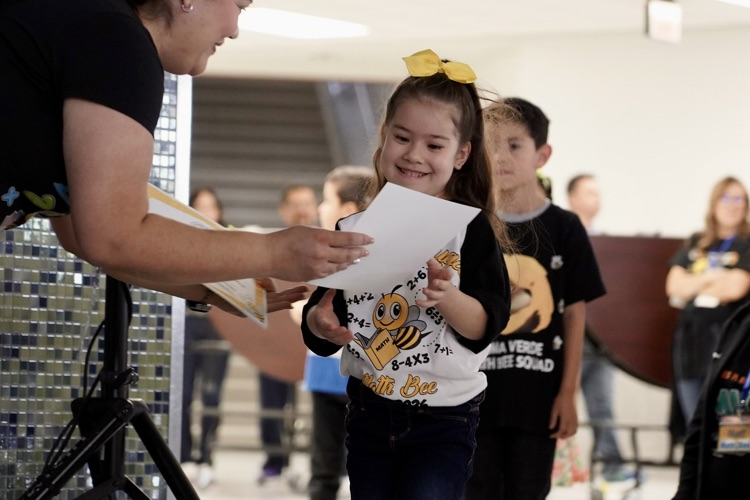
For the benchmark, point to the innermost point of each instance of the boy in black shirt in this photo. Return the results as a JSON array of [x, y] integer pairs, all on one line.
[[533, 369]]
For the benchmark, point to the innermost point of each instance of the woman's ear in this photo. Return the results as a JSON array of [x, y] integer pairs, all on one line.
[[462, 155]]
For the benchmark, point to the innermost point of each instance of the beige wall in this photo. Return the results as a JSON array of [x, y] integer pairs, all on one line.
[[658, 123]]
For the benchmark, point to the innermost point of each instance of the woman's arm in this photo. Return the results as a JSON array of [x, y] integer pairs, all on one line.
[[275, 300], [685, 285], [108, 161], [728, 285]]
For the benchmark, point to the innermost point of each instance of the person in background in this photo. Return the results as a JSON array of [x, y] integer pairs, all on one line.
[[347, 190], [297, 207], [584, 200], [597, 371], [413, 349], [533, 368], [714, 463], [205, 367], [83, 85], [708, 280]]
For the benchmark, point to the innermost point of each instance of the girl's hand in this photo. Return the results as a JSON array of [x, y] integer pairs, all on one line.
[[438, 284], [278, 301], [564, 417], [324, 323]]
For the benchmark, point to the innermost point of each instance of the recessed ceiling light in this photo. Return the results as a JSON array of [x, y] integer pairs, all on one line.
[[291, 24]]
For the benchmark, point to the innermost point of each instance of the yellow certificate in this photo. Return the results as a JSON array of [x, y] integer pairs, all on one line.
[[246, 295]]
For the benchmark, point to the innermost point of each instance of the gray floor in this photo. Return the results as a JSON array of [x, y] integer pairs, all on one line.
[[236, 475], [237, 466]]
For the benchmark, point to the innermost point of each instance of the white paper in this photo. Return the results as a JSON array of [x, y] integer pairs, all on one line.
[[409, 228]]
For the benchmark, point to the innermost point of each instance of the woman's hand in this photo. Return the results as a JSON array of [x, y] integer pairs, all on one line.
[[302, 253], [324, 323]]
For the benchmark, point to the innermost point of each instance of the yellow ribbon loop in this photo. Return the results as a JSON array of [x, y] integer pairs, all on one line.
[[427, 63]]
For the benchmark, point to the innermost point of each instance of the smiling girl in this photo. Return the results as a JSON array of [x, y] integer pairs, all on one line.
[[414, 404]]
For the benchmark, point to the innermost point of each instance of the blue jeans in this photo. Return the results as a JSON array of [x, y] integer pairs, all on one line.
[[207, 368], [688, 393], [275, 395], [597, 385], [398, 451]]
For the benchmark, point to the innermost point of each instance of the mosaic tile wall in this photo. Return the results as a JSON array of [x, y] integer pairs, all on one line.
[[51, 303]]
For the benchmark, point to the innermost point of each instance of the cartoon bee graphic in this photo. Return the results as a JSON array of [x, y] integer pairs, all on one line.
[[393, 313], [397, 327]]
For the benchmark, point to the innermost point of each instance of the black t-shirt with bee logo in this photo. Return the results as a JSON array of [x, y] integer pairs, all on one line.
[[554, 267]]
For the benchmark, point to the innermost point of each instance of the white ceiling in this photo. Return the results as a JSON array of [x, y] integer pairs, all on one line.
[[455, 29]]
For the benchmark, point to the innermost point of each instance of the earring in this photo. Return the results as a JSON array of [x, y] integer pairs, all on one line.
[[187, 8]]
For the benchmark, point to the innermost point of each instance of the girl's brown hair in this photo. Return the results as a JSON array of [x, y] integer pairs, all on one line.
[[472, 185]]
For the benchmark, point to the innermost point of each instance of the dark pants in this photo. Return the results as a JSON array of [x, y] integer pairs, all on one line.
[[511, 465], [398, 451], [328, 446], [274, 396], [206, 368]]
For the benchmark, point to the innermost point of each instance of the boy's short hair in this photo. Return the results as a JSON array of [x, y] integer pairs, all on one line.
[[531, 116]]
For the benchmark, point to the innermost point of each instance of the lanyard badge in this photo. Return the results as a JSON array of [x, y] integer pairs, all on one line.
[[734, 430]]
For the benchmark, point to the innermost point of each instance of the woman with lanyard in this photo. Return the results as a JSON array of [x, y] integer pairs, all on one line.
[[709, 279]]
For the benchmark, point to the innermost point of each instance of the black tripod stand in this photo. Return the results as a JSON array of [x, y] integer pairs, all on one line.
[[103, 421]]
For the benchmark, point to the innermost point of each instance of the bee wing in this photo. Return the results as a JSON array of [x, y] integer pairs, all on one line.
[[419, 324], [413, 314]]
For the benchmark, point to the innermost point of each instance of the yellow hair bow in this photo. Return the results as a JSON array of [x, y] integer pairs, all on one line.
[[427, 63]]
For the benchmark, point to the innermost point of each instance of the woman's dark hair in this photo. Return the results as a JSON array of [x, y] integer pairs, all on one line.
[[152, 9], [210, 191]]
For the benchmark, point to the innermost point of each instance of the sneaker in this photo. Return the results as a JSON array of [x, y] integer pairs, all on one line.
[[205, 476], [295, 481], [191, 470], [616, 474], [268, 474], [344, 491]]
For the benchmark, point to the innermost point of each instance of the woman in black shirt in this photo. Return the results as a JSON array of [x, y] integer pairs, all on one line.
[[82, 88]]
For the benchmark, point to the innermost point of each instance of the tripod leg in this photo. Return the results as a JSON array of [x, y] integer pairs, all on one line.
[[110, 462], [113, 485], [161, 454], [49, 484]]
